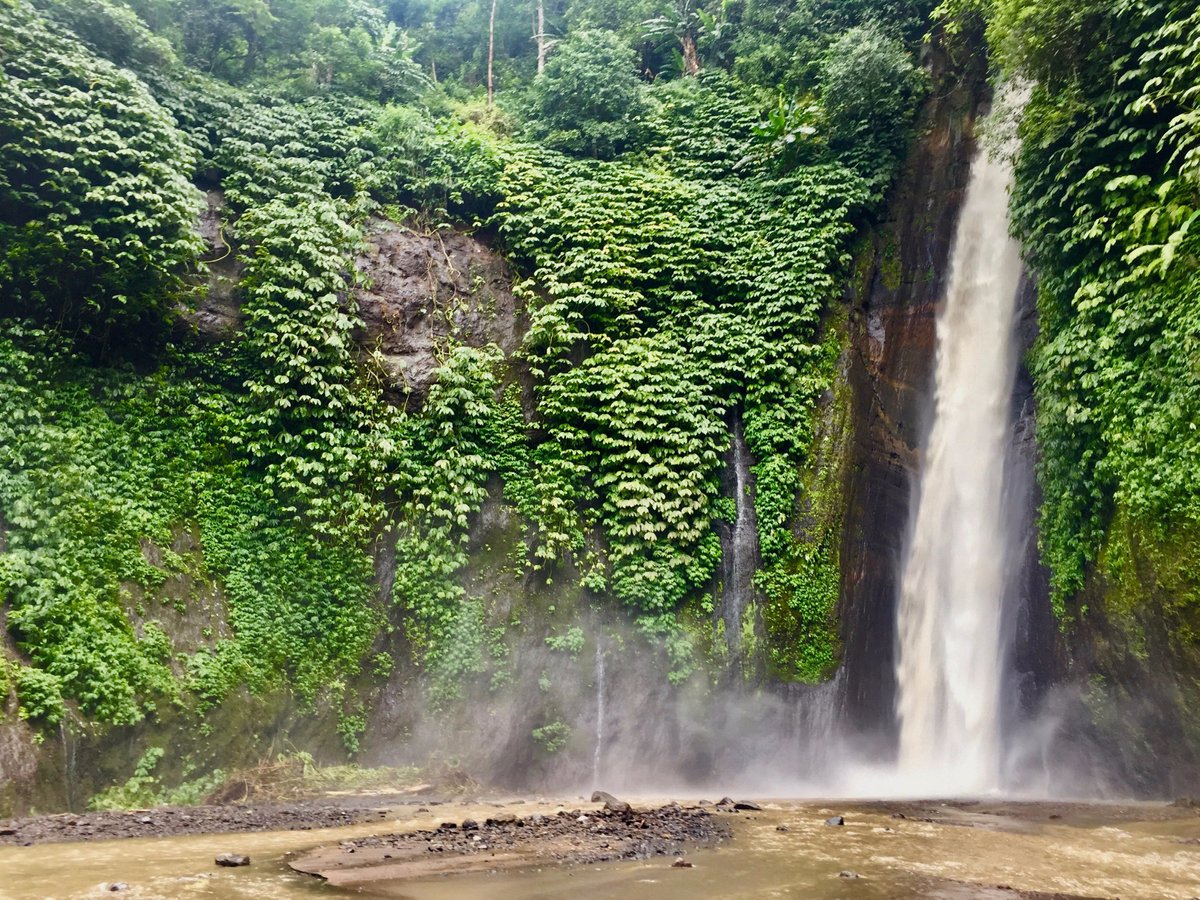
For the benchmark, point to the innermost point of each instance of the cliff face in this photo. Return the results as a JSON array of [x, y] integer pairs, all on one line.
[[894, 304]]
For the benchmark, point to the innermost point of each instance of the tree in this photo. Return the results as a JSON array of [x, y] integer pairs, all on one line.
[[540, 36], [685, 22], [869, 86], [589, 100], [491, 88]]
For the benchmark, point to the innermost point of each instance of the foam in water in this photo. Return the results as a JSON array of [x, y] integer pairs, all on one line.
[[954, 580]]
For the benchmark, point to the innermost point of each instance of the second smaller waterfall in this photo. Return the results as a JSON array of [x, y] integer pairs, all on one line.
[[598, 753]]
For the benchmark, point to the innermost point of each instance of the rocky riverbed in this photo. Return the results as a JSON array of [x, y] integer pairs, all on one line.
[[508, 840], [168, 821]]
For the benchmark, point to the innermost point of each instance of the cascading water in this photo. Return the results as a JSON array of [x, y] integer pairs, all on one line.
[[953, 586], [598, 754], [741, 558]]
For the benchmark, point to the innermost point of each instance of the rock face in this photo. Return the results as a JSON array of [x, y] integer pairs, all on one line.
[[426, 288], [218, 313], [421, 290], [893, 336]]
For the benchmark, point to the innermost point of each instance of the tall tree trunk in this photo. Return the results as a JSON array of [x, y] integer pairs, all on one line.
[[491, 53], [691, 58], [541, 36]]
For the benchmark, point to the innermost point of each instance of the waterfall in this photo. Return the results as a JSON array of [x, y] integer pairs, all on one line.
[[598, 754], [954, 580], [741, 557]]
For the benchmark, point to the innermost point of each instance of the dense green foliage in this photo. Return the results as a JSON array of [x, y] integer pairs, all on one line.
[[589, 100], [676, 242], [1108, 205], [96, 212]]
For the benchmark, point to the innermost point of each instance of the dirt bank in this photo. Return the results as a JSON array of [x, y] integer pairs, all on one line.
[[303, 815]]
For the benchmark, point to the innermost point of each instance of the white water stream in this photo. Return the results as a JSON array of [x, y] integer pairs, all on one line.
[[953, 586], [598, 754]]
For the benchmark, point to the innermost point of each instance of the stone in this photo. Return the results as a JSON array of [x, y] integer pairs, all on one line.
[[681, 863], [118, 886], [447, 826], [231, 860], [746, 804], [470, 825], [782, 828], [835, 820], [611, 803], [847, 873]]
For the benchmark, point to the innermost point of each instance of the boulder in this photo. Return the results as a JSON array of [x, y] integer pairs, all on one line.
[[232, 859], [611, 803]]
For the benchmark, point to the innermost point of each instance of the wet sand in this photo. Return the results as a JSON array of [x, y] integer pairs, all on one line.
[[993, 849]]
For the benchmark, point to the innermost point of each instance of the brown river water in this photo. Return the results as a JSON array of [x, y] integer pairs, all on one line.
[[991, 849]]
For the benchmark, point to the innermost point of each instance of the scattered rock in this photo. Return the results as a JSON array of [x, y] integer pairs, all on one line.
[[610, 802], [605, 836], [847, 873], [681, 863], [835, 820], [231, 860]]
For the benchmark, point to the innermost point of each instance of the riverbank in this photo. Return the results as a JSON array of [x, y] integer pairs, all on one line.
[[994, 849]]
